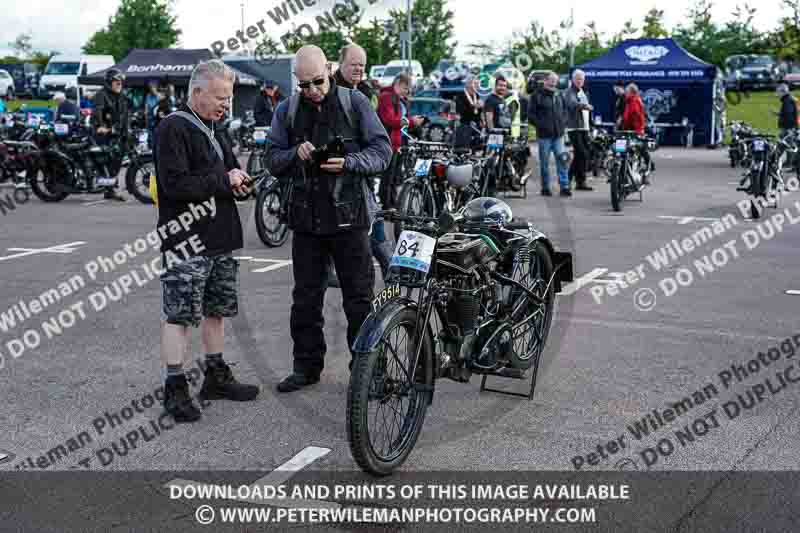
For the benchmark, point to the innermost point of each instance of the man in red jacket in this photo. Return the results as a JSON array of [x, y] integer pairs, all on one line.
[[634, 119], [393, 112]]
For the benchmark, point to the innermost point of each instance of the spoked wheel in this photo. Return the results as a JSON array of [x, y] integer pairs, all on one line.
[[385, 410], [256, 162], [272, 231], [413, 201], [47, 178], [533, 269], [137, 179], [616, 191]]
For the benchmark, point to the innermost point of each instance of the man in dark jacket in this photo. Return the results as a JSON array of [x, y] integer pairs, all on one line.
[[619, 103], [547, 112], [787, 116], [110, 117], [263, 108], [196, 176], [578, 122], [65, 108], [329, 207], [352, 62]]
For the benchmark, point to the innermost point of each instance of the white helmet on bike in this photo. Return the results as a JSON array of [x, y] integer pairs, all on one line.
[[488, 209]]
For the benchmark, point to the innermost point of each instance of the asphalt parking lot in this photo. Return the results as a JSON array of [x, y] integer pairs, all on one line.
[[616, 366]]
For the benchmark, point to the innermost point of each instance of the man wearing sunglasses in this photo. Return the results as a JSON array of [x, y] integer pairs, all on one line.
[[328, 210]]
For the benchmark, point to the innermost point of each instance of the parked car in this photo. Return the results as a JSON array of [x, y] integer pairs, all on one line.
[[395, 67], [376, 71], [62, 71], [440, 114], [6, 84], [792, 76], [536, 79], [753, 71]]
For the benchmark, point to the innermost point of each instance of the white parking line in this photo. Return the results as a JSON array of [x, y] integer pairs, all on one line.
[[59, 249], [574, 286], [276, 266], [685, 220], [95, 202], [793, 292], [277, 477]]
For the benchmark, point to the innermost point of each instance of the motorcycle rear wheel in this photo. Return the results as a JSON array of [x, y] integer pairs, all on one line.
[[533, 270], [46, 178], [137, 179], [272, 231]]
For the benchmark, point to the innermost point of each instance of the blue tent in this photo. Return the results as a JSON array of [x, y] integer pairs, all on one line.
[[674, 85]]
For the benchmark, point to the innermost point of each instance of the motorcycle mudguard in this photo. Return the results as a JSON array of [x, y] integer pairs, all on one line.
[[376, 323], [562, 261], [268, 184]]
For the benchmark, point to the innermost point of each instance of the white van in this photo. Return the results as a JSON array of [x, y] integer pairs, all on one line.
[[395, 67], [61, 73]]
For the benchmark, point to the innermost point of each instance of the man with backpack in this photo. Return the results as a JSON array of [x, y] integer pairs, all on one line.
[[330, 142]]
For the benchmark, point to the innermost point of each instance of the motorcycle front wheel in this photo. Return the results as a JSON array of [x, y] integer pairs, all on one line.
[[413, 201], [385, 410], [616, 190]]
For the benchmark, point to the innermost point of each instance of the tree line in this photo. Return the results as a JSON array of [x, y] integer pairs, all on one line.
[[152, 24]]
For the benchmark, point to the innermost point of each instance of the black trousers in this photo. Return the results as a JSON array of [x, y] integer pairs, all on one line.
[[311, 255], [580, 143]]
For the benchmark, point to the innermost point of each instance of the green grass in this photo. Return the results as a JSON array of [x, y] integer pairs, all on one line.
[[14, 105], [757, 110]]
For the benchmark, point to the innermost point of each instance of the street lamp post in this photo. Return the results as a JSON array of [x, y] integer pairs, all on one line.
[[410, 34]]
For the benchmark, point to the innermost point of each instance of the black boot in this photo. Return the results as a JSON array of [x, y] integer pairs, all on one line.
[[296, 381], [219, 384], [177, 400]]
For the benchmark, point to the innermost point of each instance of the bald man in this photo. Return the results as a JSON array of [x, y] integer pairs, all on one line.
[[329, 211]]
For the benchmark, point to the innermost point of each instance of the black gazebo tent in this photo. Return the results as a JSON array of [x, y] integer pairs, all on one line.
[[175, 66]]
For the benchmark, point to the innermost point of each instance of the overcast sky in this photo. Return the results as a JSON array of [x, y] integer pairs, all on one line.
[[67, 27]]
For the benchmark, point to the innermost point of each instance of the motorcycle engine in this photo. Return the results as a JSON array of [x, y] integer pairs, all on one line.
[[461, 267]]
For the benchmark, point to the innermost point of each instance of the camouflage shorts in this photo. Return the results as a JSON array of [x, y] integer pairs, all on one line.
[[200, 287]]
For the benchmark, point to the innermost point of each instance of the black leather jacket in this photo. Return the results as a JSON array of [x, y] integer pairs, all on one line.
[[110, 111]]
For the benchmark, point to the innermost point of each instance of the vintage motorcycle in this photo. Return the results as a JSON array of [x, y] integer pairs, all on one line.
[[739, 147], [628, 168], [467, 293], [763, 180], [71, 162]]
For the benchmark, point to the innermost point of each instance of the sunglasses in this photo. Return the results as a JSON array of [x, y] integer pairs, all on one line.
[[319, 82]]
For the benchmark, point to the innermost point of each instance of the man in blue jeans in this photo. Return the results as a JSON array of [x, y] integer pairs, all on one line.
[[547, 111]]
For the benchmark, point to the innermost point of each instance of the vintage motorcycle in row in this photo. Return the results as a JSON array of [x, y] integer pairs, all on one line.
[[441, 178], [739, 147], [467, 293], [71, 162], [628, 169], [763, 179]]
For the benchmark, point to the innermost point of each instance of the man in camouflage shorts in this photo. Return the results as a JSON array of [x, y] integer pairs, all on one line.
[[196, 176]]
